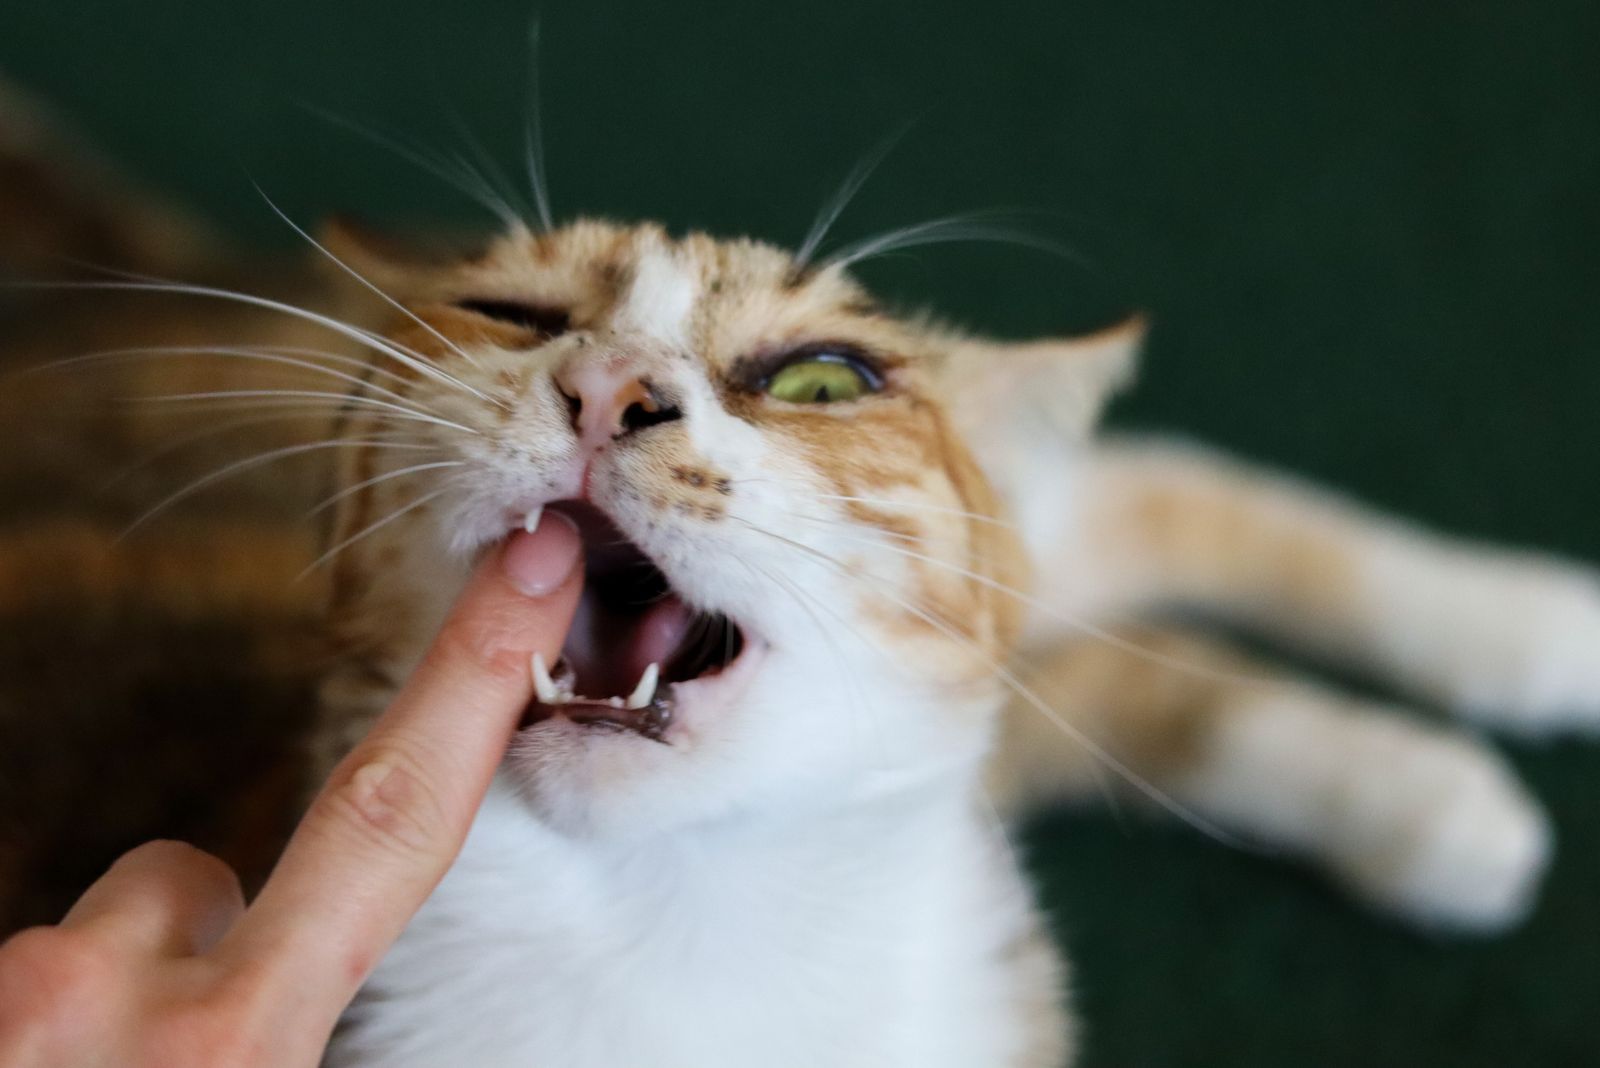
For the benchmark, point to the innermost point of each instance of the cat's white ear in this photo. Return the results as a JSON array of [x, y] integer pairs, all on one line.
[[1025, 409], [1055, 387]]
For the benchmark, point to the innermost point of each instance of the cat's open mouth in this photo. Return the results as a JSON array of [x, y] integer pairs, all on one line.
[[633, 640]]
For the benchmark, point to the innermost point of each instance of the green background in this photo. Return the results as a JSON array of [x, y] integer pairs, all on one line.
[[1366, 233]]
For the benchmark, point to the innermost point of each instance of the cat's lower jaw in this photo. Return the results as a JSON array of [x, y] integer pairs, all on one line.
[[889, 934]]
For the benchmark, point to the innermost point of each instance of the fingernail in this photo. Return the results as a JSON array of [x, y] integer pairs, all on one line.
[[540, 562]]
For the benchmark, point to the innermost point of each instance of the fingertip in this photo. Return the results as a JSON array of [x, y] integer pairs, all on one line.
[[540, 562]]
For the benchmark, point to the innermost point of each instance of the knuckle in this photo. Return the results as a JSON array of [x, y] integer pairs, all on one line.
[[50, 973], [162, 852], [204, 1033], [214, 873], [388, 800], [192, 864], [218, 1022]]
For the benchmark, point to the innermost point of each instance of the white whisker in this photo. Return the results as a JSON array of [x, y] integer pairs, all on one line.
[[981, 226], [801, 597], [371, 528], [239, 466], [830, 211], [328, 502], [533, 135], [917, 506], [167, 448], [359, 277], [343, 400], [355, 333], [468, 184], [1023, 691], [284, 357], [486, 169], [1109, 637]]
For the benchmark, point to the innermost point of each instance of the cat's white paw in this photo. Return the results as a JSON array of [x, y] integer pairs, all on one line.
[[1539, 669], [1509, 642], [1440, 832]]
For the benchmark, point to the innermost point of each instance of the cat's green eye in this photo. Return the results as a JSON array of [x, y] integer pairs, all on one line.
[[824, 378]]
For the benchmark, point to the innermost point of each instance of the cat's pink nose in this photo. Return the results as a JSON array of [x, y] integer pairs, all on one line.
[[610, 400]]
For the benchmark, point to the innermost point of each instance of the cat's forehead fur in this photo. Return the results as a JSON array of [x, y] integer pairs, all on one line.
[[694, 291]]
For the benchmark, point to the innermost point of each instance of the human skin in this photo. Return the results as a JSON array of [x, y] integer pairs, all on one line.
[[161, 962]]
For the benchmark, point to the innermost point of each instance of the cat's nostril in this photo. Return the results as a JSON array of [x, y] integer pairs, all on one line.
[[604, 404], [574, 402], [642, 414]]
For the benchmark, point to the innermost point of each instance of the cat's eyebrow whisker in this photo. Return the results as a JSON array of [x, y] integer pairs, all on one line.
[[980, 226], [285, 357], [834, 206], [340, 399], [1022, 690], [485, 168], [359, 277], [407, 358], [249, 462], [372, 528], [330, 501], [463, 180], [533, 135]]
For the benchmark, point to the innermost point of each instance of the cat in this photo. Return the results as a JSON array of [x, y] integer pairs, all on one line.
[[859, 588]]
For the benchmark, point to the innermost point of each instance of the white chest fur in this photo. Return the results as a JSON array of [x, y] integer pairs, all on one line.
[[877, 936]]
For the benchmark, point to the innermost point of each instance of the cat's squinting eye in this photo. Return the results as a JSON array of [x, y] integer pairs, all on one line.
[[823, 378], [544, 321]]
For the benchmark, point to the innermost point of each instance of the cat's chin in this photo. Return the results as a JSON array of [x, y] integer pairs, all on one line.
[[586, 777]]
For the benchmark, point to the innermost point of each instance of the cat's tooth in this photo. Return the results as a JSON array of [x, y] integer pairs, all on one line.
[[543, 685], [645, 692], [530, 522]]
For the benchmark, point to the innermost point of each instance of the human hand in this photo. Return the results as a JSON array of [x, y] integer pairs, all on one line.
[[161, 964]]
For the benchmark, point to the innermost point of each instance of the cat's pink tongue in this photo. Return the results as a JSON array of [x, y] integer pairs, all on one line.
[[658, 634], [609, 652]]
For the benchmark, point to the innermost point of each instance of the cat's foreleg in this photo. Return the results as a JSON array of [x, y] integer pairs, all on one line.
[[1418, 821], [1510, 639]]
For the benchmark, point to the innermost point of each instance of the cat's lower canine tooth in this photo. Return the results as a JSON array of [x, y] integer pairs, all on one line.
[[543, 685], [645, 692]]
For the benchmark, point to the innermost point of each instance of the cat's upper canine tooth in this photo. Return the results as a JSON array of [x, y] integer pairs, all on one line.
[[530, 523], [645, 692], [543, 685]]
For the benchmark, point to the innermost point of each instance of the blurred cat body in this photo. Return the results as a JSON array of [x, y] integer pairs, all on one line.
[[791, 852]]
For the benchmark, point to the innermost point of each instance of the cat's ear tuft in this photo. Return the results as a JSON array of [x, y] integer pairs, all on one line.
[[1061, 385]]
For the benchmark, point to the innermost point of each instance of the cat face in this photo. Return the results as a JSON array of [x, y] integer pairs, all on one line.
[[796, 566]]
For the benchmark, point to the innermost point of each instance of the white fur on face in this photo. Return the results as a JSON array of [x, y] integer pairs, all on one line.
[[659, 302]]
